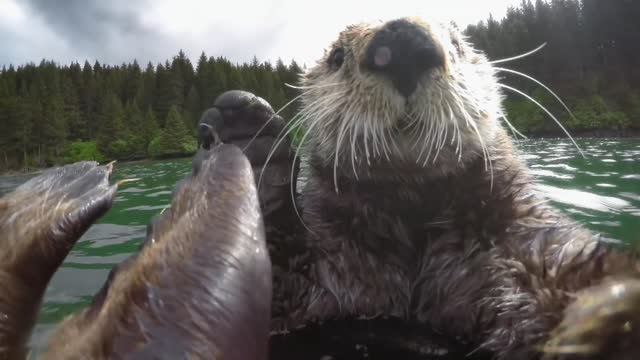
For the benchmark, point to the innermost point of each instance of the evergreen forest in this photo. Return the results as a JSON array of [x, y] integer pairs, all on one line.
[[52, 113]]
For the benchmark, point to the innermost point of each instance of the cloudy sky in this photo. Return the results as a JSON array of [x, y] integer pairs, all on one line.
[[116, 31]]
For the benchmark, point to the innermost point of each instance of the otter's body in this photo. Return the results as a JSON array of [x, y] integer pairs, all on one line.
[[418, 206], [494, 267]]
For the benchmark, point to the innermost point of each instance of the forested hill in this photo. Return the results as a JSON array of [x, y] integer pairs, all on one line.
[[592, 61], [51, 114]]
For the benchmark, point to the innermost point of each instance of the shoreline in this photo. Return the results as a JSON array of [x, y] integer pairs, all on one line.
[[34, 171], [625, 134], [589, 134]]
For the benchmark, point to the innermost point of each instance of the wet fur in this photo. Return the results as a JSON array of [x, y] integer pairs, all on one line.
[[200, 286], [39, 224], [462, 243], [168, 299]]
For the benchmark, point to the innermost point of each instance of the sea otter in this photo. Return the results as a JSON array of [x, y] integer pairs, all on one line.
[[418, 207]]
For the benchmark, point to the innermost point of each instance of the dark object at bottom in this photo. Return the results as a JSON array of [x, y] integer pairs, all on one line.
[[368, 339]]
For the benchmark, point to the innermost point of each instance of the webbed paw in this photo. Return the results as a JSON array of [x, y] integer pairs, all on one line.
[[603, 322], [40, 221], [249, 122]]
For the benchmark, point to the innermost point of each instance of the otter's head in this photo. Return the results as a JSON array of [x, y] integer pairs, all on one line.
[[404, 95]]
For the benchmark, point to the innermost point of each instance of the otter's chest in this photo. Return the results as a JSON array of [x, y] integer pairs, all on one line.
[[371, 264]]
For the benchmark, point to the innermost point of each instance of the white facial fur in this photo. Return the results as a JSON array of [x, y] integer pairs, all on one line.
[[357, 120]]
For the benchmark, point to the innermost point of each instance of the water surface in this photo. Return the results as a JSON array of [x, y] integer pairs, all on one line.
[[602, 191]]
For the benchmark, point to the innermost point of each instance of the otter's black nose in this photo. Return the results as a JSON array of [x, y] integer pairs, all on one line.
[[403, 52]]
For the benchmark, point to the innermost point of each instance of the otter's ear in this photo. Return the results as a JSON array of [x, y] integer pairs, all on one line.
[[200, 287], [40, 222]]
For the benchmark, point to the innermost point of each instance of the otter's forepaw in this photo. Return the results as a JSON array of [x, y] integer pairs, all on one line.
[[603, 321], [40, 221], [199, 288], [249, 122]]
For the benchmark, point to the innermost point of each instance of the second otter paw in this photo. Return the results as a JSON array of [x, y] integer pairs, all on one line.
[[603, 321]]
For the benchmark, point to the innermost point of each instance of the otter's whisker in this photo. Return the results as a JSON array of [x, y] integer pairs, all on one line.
[[420, 128], [320, 110], [300, 146], [392, 139], [126, 181], [376, 133], [341, 134], [352, 131], [383, 141], [519, 56], [442, 135], [445, 125], [270, 119], [432, 136], [417, 127], [279, 111], [488, 165], [366, 145], [313, 87], [277, 144], [548, 113], [457, 136], [541, 84], [425, 132], [409, 124], [513, 129], [429, 134], [280, 138]]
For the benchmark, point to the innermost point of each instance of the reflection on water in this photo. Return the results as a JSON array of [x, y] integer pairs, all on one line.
[[586, 200], [601, 190]]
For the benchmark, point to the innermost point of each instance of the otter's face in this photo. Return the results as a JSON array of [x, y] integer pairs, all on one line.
[[403, 93]]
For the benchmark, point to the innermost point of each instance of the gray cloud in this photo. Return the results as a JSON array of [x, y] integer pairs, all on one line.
[[88, 23], [113, 32], [116, 31]]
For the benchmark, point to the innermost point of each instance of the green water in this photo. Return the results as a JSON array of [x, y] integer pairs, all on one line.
[[602, 191]]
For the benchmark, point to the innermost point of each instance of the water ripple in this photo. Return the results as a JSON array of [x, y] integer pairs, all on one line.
[[601, 191], [585, 200]]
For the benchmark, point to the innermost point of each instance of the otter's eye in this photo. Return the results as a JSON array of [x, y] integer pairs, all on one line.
[[337, 58]]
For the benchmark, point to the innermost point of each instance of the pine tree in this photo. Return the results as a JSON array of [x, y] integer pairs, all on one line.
[[136, 146], [133, 82], [174, 139], [591, 61], [73, 117], [150, 128], [146, 92], [192, 109], [111, 133]]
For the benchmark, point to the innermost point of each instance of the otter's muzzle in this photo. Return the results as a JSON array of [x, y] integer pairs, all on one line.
[[403, 52]]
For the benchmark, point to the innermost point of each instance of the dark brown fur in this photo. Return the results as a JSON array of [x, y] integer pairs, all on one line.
[[495, 268]]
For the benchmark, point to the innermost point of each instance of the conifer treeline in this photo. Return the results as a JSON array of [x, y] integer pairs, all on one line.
[[592, 60], [51, 114]]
